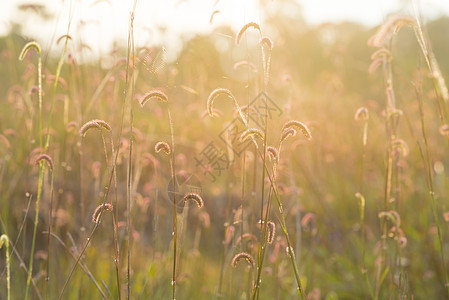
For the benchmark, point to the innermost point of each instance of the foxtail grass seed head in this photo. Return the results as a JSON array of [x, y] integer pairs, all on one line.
[[444, 130], [274, 153], [290, 252], [46, 158], [266, 41], [244, 28], [400, 146], [375, 64], [212, 16], [96, 214], [4, 240], [243, 256], [299, 125], [195, 197], [271, 232], [159, 95], [162, 146], [287, 133], [361, 114], [62, 37], [390, 27], [29, 46], [381, 53], [5, 141], [392, 215], [251, 132], [361, 199], [94, 124], [215, 93], [245, 63]]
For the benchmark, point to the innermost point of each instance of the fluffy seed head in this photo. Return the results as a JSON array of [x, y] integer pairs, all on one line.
[[245, 63], [27, 47], [444, 130], [94, 124], [361, 114], [381, 53], [271, 232], [290, 252], [390, 27], [301, 126], [266, 41], [243, 256], [4, 240], [96, 214], [195, 197], [215, 93], [251, 132], [286, 133], [244, 28], [159, 95], [399, 145], [162, 146], [46, 158], [273, 153]]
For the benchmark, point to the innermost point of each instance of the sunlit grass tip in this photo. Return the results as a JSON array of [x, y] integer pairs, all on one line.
[[94, 124], [162, 146], [195, 197], [27, 47], [215, 93], [251, 132], [46, 158], [96, 214], [301, 126], [244, 28], [243, 256], [159, 95]]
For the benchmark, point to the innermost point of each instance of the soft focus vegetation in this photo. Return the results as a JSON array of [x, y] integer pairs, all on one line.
[[365, 200]]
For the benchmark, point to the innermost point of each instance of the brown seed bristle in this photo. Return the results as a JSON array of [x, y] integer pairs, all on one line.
[[159, 95], [195, 197], [162, 146], [244, 28], [96, 214], [301, 126], [271, 232], [94, 124], [243, 256], [46, 158]]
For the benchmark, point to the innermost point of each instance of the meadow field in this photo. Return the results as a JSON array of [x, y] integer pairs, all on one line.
[[278, 161]]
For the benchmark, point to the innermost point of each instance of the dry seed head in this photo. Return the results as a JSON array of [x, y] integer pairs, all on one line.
[[271, 232], [390, 27], [375, 64], [266, 41], [245, 63], [381, 53], [212, 16], [244, 28], [301, 126], [65, 36], [392, 215], [162, 146], [286, 133], [273, 153], [96, 214], [215, 93], [251, 132], [94, 124], [401, 146], [27, 47], [159, 95], [361, 114], [289, 251], [361, 199], [195, 197], [444, 130], [4, 240], [46, 158], [243, 256]]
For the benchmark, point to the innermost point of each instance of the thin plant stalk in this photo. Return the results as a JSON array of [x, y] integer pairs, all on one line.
[[5, 240]]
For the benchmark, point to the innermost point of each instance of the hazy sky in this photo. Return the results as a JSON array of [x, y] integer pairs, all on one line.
[[98, 22]]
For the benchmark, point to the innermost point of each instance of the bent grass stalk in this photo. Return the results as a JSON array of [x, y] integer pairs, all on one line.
[[37, 48]]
